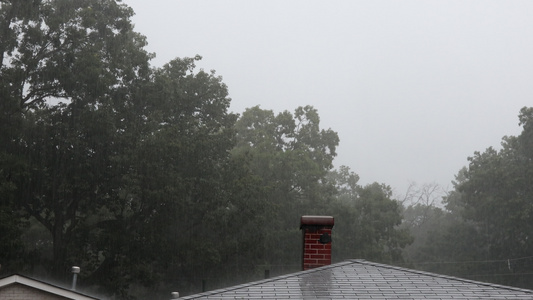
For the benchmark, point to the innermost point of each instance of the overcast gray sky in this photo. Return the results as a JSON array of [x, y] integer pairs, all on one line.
[[412, 87]]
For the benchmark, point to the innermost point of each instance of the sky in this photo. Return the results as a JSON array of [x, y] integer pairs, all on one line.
[[413, 88]]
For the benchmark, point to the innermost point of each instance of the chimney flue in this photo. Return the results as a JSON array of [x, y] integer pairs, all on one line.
[[316, 231]]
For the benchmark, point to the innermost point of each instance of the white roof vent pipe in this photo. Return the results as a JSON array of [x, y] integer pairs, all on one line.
[[75, 271], [174, 295]]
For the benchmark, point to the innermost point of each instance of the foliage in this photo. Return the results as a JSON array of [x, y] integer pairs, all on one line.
[[367, 220], [290, 156], [107, 155], [52, 162], [485, 231], [143, 178], [496, 195], [76, 50]]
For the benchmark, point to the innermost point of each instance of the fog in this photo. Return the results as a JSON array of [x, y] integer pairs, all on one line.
[[413, 87]]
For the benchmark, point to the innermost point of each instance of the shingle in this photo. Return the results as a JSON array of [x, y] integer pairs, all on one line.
[[359, 279]]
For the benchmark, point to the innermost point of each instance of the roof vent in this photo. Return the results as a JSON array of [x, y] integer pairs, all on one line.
[[75, 271]]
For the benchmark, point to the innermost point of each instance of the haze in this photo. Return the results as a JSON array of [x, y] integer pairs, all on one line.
[[412, 87]]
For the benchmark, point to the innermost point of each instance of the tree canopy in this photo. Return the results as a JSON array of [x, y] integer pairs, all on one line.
[[484, 233], [141, 175], [367, 220]]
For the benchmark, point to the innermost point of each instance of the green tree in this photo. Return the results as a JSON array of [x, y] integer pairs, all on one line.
[[289, 155], [367, 220], [115, 184], [177, 188], [81, 53], [493, 198], [127, 169], [75, 50], [164, 156], [66, 163]]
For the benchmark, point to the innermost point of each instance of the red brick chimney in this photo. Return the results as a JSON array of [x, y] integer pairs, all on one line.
[[316, 231]]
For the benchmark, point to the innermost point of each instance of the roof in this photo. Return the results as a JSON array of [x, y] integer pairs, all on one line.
[[360, 279], [43, 286]]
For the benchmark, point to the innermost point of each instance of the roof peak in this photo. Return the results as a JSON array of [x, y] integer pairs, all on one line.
[[358, 278]]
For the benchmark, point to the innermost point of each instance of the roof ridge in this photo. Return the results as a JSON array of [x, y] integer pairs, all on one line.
[[450, 277]]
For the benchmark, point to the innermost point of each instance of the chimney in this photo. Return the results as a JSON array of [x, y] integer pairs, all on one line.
[[316, 232]]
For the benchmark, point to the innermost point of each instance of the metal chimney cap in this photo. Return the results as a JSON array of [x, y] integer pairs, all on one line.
[[317, 221], [175, 295], [75, 270]]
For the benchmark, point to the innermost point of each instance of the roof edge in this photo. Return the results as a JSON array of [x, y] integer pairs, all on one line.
[[43, 286], [450, 277]]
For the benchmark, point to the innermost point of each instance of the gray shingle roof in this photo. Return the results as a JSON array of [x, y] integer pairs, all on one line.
[[359, 279]]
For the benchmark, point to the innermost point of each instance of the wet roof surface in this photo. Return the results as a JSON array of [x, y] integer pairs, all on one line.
[[359, 279]]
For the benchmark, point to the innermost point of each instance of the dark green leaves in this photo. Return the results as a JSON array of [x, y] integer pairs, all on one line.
[[489, 217], [77, 50]]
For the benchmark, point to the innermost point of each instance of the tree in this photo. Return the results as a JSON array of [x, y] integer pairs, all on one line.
[[424, 220], [289, 155], [300, 152], [178, 169], [494, 198], [367, 220], [80, 53], [115, 184], [77, 50], [101, 150], [67, 167], [163, 156]]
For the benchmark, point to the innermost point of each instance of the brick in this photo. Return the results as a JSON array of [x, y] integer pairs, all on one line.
[[313, 227]]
